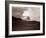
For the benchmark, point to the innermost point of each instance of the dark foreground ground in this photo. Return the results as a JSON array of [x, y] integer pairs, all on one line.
[[20, 25]]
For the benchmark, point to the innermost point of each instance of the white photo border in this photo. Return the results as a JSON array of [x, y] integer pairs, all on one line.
[[29, 31]]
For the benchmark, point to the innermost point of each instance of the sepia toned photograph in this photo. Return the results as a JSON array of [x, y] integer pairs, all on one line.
[[25, 19]]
